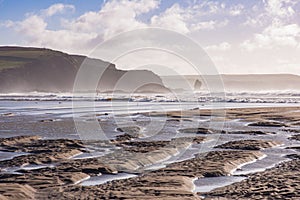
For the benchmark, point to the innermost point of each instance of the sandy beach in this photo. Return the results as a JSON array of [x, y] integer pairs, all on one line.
[[258, 146]]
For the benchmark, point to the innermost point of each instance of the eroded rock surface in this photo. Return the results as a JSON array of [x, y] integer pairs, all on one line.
[[248, 144], [196, 130], [268, 124], [295, 137]]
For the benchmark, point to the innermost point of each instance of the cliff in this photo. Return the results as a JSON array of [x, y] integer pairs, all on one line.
[[24, 69]]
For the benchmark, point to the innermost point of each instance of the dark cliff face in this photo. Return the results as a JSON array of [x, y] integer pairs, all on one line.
[[34, 69]]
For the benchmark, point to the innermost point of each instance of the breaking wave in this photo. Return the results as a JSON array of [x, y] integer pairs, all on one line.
[[237, 97]]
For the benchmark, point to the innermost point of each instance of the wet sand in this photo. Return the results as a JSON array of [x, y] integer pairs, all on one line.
[[53, 163]]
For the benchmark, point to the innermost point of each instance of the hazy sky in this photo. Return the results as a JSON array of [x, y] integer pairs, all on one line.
[[259, 36]]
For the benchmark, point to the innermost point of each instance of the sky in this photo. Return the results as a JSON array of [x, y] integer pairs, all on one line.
[[240, 37]]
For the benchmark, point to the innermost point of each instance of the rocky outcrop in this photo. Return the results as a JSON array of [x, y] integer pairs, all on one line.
[[295, 137], [196, 130], [197, 85], [143, 147], [248, 144], [134, 131], [268, 124], [13, 141], [33, 144], [249, 132]]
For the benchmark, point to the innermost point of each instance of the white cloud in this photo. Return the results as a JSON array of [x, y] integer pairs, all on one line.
[[31, 26], [256, 21], [137, 6], [208, 25], [210, 7], [280, 8], [272, 10], [174, 18], [236, 10], [34, 29], [87, 30], [7, 24], [280, 30], [189, 19], [275, 36], [224, 46], [114, 17], [57, 8]]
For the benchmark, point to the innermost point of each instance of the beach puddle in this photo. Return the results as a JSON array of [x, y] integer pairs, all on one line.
[[98, 180], [14, 170], [89, 155], [272, 158], [33, 167], [242, 166], [10, 155]]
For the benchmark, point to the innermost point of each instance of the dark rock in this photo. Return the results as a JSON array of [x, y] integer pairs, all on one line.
[[268, 124], [196, 130], [295, 137]]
